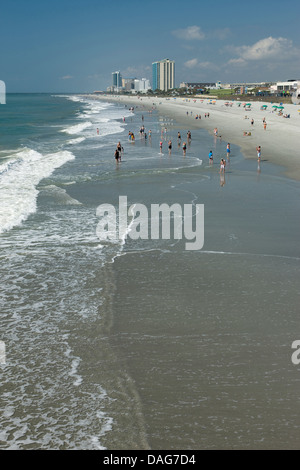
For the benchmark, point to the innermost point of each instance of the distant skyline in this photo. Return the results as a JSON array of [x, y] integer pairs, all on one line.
[[64, 46]]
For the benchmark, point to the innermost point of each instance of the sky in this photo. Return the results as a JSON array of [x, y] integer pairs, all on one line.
[[75, 45]]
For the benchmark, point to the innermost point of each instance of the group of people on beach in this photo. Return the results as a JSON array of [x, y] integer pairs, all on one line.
[[118, 152], [223, 160], [131, 137]]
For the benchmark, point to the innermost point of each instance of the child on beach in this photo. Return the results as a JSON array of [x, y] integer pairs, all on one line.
[[210, 156]]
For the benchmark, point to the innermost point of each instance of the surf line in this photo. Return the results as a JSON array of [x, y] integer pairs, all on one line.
[[187, 221]]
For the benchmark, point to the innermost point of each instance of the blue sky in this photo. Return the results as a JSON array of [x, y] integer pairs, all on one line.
[[74, 46]]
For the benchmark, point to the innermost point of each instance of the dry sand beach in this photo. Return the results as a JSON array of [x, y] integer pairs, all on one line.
[[279, 141]]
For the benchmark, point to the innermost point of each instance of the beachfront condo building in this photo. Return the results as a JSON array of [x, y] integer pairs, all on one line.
[[163, 75], [116, 80]]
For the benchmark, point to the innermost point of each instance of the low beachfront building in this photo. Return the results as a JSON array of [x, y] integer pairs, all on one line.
[[290, 86]]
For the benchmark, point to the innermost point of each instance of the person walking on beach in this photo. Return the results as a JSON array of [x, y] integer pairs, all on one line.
[[252, 122], [222, 165], [265, 125], [211, 158], [170, 146], [117, 156], [258, 150], [228, 150], [160, 146], [184, 148], [178, 136], [97, 131], [119, 149]]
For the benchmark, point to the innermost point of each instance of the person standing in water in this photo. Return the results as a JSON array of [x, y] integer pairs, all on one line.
[[117, 156], [258, 150], [228, 150], [222, 166], [119, 148]]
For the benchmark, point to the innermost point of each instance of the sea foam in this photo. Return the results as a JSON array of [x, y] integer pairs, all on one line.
[[18, 180]]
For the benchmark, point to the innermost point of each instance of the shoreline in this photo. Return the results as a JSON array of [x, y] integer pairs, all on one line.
[[279, 142]]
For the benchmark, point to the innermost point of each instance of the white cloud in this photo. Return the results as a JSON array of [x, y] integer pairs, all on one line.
[[194, 63], [221, 33], [191, 64], [190, 33], [139, 71], [66, 77], [268, 48], [239, 62]]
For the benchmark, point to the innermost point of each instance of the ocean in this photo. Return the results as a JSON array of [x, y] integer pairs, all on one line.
[[119, 343]]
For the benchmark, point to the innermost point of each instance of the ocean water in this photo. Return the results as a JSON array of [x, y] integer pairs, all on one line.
[[141, 344]]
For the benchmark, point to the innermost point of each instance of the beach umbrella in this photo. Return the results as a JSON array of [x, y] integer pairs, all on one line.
[[248, 104], [274, 106], [280, 107]]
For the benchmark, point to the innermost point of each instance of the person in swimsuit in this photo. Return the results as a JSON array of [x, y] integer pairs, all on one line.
[[170, 146], [184, 148], [117, 156], [222, 165], [210, 156], [119, 148], [228, 150], [258, 150]]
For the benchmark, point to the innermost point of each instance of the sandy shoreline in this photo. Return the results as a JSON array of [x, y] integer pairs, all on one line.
[[279, 142]]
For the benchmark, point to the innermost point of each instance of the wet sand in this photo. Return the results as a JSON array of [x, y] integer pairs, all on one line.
[[279, 141]]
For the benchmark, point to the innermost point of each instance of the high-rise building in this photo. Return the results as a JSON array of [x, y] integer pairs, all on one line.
[[117, 80], [163, 75]]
